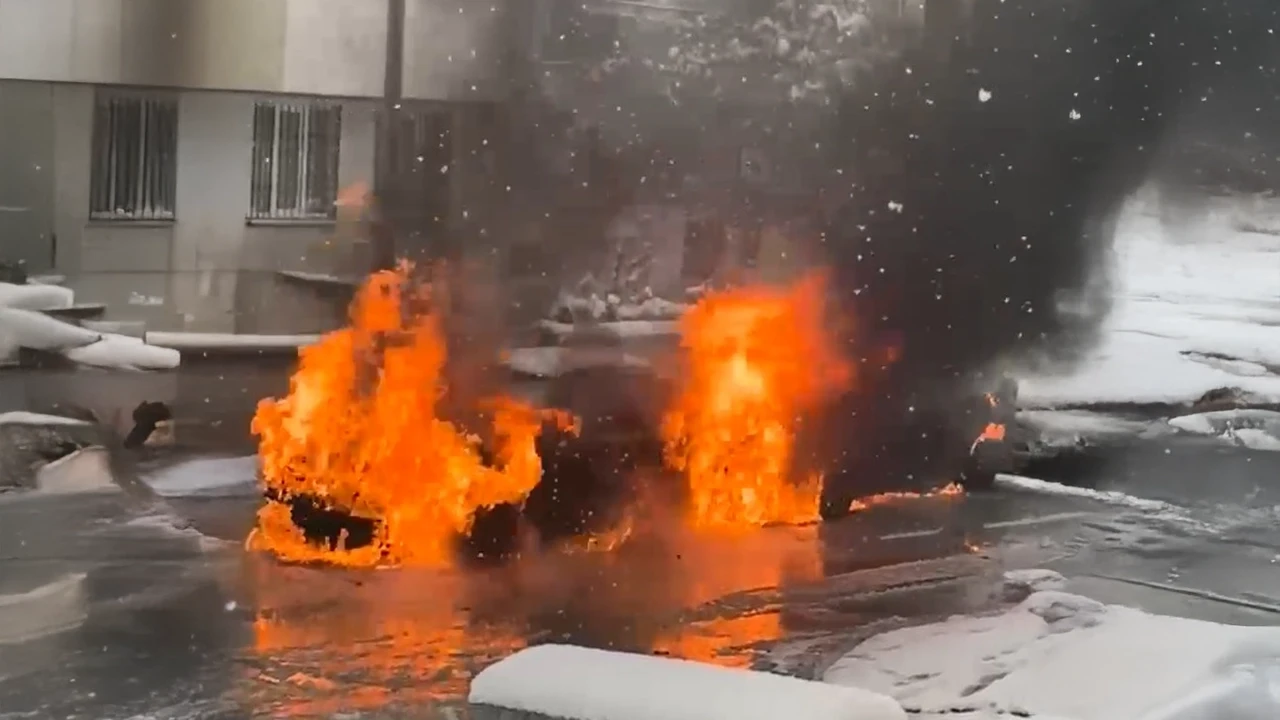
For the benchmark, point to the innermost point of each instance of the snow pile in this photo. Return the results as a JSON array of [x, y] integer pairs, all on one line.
[[563, 681], [1190, 317], [1254, 429], [1057, 654], [207, 477]]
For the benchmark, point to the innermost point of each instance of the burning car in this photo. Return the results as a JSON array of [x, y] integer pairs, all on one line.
[[363, 465]]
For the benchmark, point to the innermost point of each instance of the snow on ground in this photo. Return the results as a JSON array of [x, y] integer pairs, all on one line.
[[1254, 429], [1061, 655], [1196, 309], [564, 681], [207, 477]]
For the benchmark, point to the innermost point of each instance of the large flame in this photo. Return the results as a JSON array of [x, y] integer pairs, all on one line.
[[361, 431], [757, 359]]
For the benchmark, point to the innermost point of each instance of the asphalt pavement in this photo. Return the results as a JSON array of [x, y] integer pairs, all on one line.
[[113, 606]]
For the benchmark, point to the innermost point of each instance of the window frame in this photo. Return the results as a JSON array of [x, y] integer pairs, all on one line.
[[104, 161], [267, 166]]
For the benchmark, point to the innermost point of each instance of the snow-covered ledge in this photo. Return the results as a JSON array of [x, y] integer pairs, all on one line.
[[24, 324], [576, 683]]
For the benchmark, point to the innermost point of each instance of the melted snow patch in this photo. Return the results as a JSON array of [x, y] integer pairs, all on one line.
[[48, 609], [1058, 654], [564, 681], [1111, 497], [168, 525]]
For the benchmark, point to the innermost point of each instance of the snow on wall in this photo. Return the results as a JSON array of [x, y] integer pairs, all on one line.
[[564, 681]]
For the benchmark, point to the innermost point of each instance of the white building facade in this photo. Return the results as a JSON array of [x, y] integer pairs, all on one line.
[[171, 157]]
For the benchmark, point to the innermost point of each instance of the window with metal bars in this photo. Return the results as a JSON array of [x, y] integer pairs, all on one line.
[[295, 160], [134, 170]]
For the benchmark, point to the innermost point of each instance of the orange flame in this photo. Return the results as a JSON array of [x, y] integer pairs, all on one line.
[[360, 431], [757, 360], [888, 498]]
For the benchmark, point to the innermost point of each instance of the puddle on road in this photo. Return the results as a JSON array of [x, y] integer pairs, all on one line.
[[326, 641]]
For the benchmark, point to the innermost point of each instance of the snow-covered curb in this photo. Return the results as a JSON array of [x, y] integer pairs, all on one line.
[[1062, 655], [227, 342], [564, 681]]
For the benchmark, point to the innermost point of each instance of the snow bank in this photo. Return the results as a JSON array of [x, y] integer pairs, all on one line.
[[563, 681], [207, 477], [1064, 655], [1189, 317]]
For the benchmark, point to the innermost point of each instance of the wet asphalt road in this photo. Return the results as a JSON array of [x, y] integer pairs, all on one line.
[[153, 609]]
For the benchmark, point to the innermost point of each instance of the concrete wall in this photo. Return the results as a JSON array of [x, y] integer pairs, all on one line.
[[26, 174], [454, 49], [209, 270]]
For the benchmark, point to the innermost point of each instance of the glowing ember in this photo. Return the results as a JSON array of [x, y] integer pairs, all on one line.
[[756, 360], [889, 498], [360, 432]]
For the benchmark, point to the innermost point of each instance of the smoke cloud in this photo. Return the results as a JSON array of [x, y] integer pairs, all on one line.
[[976, 194], [984, 195]]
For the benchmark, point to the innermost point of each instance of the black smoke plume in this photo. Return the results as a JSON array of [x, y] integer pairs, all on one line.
[[978, 179], [983, 194]]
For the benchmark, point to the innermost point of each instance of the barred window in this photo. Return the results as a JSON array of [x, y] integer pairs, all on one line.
[[134, 170], [295, 160]]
